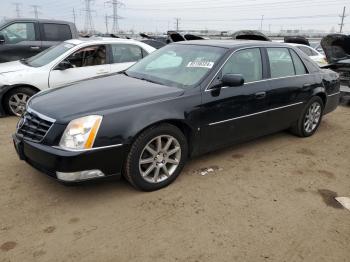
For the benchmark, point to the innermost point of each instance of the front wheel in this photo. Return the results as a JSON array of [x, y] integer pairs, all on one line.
[[16, 99], [310, 119], [156, 157]]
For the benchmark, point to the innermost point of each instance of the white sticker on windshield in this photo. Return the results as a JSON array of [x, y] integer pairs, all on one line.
[[203, 64]]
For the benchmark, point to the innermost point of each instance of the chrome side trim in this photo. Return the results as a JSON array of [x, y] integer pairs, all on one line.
[[41, 115], [257, 113], [88, 149], [337, 93]]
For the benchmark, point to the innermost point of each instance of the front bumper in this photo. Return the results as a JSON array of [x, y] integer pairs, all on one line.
[[50, 160]]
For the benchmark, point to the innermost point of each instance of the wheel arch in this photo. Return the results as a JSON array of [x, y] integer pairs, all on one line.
[[185, 128], [9, 89]]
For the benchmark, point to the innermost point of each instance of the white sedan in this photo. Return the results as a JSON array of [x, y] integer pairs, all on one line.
[[315, 56], [71, 61]]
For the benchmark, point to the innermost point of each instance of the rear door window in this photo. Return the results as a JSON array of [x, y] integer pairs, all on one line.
[[247, 63], [281, 63], [19, 32], [123, 53], [298, 64], [56, 32]]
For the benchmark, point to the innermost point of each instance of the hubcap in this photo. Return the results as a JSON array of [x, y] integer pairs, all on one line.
[[312, 117], [17, 103], [160, 158]]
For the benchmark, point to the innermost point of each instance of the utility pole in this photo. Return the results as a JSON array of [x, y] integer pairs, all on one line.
[[18, 9], [115, 17], [342, 20], [36, 11], [106, 21], [261, 22], [88, 25], [74, 15], [177, 23]]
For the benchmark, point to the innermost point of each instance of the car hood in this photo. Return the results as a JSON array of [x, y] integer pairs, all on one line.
[[336, 47], [12, 67], [250, 35], [99, 96]]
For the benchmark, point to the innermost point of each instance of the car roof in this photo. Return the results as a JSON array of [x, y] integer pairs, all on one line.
[[101, 40], [37, 20], [233, 44]]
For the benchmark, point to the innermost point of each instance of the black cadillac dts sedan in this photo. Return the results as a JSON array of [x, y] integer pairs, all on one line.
[[183, 100]]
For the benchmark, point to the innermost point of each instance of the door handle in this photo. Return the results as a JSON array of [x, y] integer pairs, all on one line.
[[260, 95], [102, 72], [35, 47]]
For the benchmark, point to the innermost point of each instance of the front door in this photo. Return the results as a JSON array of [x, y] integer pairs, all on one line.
[[87, 62], [232, 114], [21, 41]]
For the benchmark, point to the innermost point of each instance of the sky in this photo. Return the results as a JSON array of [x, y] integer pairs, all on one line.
[[223, 15]]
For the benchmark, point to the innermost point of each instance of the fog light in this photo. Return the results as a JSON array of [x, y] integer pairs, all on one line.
[[82, 175]]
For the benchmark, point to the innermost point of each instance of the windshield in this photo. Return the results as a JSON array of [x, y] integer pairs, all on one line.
[[48, 55], [177, 65]]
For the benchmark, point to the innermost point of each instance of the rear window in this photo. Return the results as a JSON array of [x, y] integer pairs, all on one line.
[[56, 32]]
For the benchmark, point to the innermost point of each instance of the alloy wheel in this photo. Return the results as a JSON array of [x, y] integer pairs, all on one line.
[[17, 103], [312, 117], [160, 158]]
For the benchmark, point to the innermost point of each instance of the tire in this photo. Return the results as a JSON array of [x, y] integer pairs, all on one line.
[[16, 99], [144, 176], [301, 128]]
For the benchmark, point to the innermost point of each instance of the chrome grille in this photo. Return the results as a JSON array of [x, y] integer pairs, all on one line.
[[32, 127]]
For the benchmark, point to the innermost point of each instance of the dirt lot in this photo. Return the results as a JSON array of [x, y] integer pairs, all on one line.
[[267, 200]]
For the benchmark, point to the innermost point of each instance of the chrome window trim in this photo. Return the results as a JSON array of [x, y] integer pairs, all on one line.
[[49, 119], [87, 149], [257, 113], [262, 80]]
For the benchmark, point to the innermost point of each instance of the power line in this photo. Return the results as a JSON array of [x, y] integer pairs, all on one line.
[[89, 25], [17, 9], [342, 20], [36, 10], [115, 17], [177, 23]]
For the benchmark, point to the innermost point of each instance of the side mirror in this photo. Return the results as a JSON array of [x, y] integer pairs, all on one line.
[[232, 80], [2, 39], [64, 65]]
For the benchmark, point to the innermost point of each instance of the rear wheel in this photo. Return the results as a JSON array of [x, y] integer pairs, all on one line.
[[156, 157], [16, 99], [310, 119]]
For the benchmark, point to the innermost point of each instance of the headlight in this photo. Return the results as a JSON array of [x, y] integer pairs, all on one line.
[[81, 133]]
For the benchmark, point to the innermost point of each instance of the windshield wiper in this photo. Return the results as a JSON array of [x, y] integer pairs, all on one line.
[[23, 61]]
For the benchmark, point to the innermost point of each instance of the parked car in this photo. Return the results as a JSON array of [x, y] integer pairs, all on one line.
[[71, 61], [315, 56], [23, 38], [186, 99]]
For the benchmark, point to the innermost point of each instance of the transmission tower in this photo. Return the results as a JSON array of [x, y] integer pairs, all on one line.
[[115, 17], [342, 20], [89, 25], [36, 10], [18, 9], [177, 23]]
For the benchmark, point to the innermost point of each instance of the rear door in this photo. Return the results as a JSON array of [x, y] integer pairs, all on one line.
[[289, 86], [22, 40], [52, 34], [232, 114], [125, 55], [87, 62]]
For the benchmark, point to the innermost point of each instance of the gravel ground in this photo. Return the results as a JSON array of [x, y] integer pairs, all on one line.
[[268, 200]]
